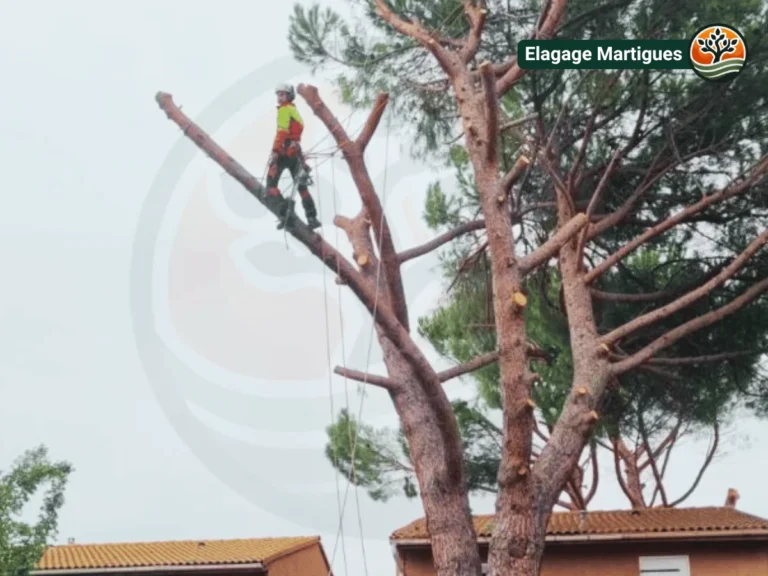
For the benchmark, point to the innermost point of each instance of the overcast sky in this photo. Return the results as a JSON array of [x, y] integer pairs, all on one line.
[[156, 330]]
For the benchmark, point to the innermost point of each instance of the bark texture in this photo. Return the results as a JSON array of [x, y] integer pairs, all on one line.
[[435, 455]]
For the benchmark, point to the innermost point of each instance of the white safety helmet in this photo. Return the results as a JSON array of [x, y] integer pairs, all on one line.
[[287, 88]]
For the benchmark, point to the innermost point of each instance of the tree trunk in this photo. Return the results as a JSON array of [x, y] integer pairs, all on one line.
[[517, 545], [438, 464]]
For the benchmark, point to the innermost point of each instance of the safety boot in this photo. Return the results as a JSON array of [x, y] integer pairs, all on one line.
[[311, 212], [286, 212]]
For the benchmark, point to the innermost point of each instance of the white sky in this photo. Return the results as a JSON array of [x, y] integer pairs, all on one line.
[[155, 330]]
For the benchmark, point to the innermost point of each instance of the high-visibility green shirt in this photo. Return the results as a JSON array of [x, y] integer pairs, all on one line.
[[289, 126]]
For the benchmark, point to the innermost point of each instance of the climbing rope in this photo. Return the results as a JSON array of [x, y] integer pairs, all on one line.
[[354, 434], [361, 387], [335, 455]]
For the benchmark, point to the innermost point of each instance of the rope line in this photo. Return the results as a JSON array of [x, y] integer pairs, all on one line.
[[340, 531], [330, 154], [361, 387], [335, 455]]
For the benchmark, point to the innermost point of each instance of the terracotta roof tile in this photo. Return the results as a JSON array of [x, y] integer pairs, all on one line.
[[620, 522], [178, 553]]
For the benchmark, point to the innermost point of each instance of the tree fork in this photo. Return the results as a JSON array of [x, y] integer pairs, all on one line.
[[353, 151], [360, 286]]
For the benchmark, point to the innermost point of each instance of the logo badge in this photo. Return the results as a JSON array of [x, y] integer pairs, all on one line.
[[718, 53]]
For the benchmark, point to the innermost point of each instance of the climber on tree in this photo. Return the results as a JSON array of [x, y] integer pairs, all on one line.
[[286, 153]]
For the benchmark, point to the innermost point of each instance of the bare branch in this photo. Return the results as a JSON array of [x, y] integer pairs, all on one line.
[[652, 460], [707, 462], [595, 474], [375, 380], [653, 175], [755, 176], [511, 177], [660, 294], [483, 360], [705, 359], [467, 263], [596, 196], [517, 122], [687, 299], [423, 36], [670, 439], [353, 155], [471, 366], [476, 15], [440, 240], [491, 110], [622, 297], [620, 477], [689, 327], [373, 121], [552, 246], [551, 16], [538, 432], [575, 175], [664, 466]]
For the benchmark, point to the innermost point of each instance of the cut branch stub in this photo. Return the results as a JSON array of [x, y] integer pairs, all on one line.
[[515, 173], [519, 300], [530, 404]]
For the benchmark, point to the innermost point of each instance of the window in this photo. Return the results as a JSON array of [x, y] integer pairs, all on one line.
[[664, 566]]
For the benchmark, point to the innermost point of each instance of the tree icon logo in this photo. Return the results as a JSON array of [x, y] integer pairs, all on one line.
[[718, 53]]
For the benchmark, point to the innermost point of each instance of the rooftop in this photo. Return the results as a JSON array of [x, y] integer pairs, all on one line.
[[641, 523], [173, 553]]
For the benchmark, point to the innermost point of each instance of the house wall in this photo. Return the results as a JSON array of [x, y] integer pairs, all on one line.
[[622, 559], [308, 561]]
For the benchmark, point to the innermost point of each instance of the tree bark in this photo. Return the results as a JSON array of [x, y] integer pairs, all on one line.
[[436, 451], [518, 535], [443, 494]]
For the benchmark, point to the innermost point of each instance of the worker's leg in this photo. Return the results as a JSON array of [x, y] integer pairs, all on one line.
[[300, 179], [275, 200]]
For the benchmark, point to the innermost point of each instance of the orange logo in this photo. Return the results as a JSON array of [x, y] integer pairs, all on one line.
[[718, 53]]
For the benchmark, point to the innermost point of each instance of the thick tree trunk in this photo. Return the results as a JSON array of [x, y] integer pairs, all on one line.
[[435, 461], [517, 545]]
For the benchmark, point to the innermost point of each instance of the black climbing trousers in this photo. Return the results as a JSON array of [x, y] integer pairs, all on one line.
[[299, 172]]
